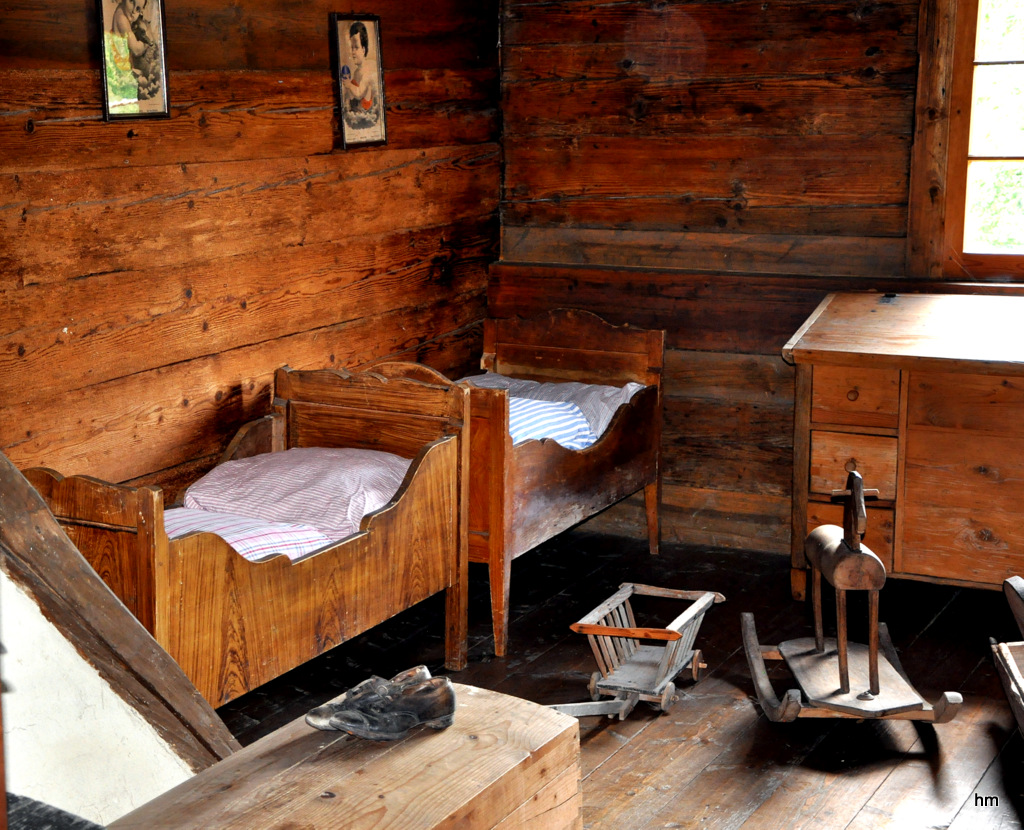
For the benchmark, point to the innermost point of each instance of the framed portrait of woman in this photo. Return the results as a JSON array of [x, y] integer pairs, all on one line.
[[359, 78], [133, 59]]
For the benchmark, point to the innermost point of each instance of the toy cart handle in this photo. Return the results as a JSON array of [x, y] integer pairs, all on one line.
[[634, 633], [671, 593], [672, 631], [627, 589]]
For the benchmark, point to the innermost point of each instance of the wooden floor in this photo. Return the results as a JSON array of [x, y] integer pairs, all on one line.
[[714, 761]]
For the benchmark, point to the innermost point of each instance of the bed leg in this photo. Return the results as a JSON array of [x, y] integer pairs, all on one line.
[[500, 576], [456, 626], [651, 500]]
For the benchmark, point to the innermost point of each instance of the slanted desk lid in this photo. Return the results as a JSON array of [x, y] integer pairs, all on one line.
[[941, 332]]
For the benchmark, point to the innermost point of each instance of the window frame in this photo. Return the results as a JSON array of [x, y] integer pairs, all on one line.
[[956, 264]]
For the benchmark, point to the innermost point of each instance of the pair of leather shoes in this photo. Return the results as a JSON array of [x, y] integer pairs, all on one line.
[[320, 717], [387, 710]]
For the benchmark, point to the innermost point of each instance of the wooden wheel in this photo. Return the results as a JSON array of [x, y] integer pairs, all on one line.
[[668, 697], [695, 665], [592, 686]]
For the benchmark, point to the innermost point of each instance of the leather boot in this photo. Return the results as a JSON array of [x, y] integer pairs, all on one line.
[[320, 717], [392, 715]]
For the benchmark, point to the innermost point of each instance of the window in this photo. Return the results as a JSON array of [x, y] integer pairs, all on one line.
[[985, 213]]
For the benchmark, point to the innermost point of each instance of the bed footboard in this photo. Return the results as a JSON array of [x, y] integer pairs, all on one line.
[[233, 625]]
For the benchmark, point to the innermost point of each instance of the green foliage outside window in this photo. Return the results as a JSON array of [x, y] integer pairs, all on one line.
[[994, 220]]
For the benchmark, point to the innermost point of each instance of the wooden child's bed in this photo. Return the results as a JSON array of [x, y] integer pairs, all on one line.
[[233, 624], [525, 494]]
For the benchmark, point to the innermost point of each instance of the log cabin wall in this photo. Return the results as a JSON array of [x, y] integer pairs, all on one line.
[[714, 169], [154, 273]]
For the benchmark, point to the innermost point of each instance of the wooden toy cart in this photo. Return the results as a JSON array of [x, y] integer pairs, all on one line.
[[631, 672]]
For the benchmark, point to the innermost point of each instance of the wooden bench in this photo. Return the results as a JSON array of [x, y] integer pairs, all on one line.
[[504, 762]]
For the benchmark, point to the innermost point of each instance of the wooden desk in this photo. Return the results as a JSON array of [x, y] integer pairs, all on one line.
[[504, 760], [923, 394]]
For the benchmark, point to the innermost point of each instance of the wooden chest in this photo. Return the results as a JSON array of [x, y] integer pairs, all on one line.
[[504, 761], [923, 394]]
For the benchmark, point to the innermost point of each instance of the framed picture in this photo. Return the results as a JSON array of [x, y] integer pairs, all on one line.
[[359, 78], [134, 59]]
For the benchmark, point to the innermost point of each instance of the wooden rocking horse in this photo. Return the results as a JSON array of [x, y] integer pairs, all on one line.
[[839, 679]]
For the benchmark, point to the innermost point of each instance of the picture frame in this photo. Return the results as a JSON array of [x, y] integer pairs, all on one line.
[[133, 59], [358, 78]]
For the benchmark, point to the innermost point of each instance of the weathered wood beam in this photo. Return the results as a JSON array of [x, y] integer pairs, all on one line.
[[36, 553]]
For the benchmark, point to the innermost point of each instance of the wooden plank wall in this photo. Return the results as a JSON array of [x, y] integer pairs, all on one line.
[[153, 274], [714, 169]]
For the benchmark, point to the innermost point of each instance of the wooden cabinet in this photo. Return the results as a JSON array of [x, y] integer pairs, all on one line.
[[923, 394]]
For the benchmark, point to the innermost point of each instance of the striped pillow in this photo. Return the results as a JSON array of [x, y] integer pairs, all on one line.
[[597, 402], [254, 539], [561, 421], [330, 489]]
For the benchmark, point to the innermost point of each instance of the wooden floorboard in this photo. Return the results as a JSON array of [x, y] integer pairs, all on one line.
[[714, 760]]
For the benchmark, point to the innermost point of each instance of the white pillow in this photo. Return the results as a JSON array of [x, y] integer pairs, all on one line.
[[329, 489]]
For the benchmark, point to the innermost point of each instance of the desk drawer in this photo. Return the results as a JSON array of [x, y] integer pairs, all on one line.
[[855, 396], [965, 403], [834, 454]]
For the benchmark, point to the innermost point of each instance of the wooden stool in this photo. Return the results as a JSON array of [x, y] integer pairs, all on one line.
[[504, 760], [838, 678]]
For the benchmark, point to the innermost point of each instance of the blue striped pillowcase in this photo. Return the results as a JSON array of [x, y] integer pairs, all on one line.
[[561, 421]]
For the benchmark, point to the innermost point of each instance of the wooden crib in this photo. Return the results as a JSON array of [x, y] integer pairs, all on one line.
[[523, 495], [233, 624]]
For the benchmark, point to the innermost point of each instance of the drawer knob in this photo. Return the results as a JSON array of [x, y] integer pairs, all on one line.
[[852, 395], [851, 465]]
